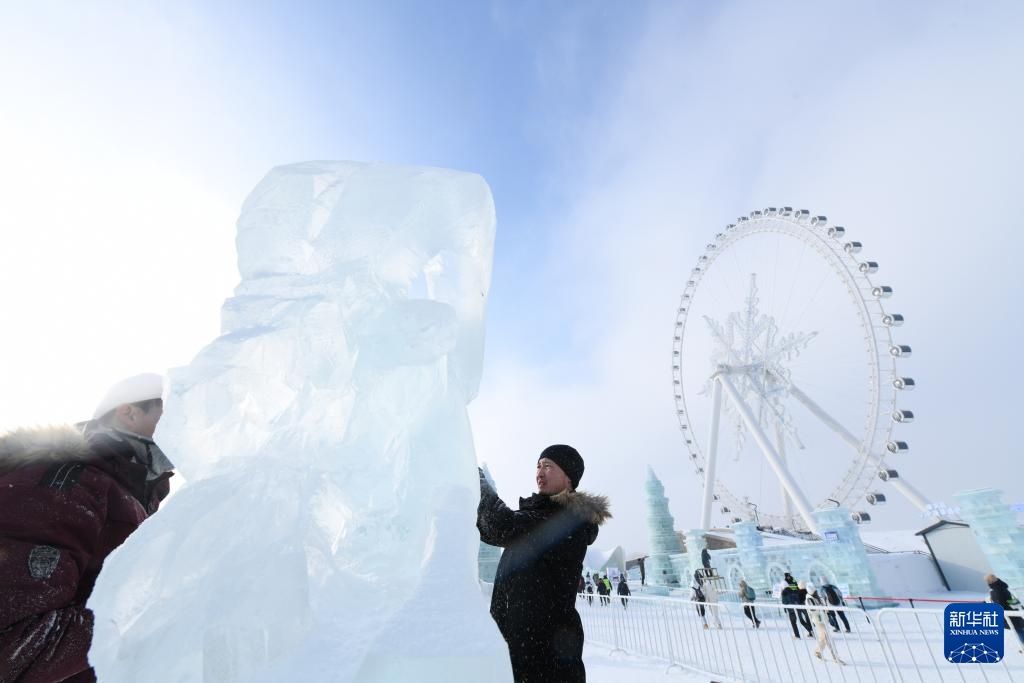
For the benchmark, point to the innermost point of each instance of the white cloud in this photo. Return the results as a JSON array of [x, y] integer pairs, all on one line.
[[900, 124]]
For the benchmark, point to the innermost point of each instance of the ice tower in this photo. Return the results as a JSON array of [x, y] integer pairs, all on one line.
[[664, 541], [845, 552], [1001, 538], [326, 529]]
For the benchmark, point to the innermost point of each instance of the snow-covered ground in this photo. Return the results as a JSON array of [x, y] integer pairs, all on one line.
[[670, 630], [603, 667]]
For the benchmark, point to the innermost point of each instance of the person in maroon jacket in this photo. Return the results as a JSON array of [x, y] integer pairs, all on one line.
[[69, 496]]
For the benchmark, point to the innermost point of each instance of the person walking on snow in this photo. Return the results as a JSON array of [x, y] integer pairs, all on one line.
[[1000, 594], [747, 596], [697, 596], [71, 495], [835, 597], [602, 591], [545, 541], [710, 597], [791, 596], [623, 590], [817, 617]]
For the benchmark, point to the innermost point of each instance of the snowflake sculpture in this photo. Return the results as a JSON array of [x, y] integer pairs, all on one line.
[[752, 343]]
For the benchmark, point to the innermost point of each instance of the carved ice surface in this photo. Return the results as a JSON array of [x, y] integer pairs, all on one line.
[[1000, 536], [326, 531]]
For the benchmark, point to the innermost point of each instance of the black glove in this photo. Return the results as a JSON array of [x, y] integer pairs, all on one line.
[[485, 486]]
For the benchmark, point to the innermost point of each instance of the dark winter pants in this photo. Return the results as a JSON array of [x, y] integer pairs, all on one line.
[[805, 621], [48, 647], [835, 624], [751, 613], [548, 655]]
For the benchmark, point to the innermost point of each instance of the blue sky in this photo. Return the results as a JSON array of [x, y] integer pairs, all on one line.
[[616, 139]]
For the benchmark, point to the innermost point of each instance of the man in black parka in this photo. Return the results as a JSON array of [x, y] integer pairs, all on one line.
[[545, 540]]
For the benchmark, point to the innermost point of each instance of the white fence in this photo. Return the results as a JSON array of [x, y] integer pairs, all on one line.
[[899, 645]]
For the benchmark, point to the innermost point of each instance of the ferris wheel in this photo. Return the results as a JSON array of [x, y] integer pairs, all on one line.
[[789, 386]]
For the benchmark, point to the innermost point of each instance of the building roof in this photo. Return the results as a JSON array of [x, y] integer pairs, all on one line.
[[599, 560], [940, 523]]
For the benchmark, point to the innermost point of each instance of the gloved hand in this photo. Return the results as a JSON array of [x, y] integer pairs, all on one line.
[[485, 485]]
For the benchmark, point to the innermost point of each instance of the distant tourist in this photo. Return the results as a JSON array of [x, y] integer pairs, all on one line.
[[545, 540], [747, 596], [791, 596], [999, 593], [711, 597], [602, 590], [697, 596], [835, 598], [818, 617], [623, 590]]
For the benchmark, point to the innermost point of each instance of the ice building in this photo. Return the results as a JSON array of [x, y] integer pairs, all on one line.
[[327, 449], [999, 534], [663, 539]]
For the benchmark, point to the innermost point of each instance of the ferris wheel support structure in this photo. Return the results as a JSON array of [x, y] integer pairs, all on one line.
[[787, 502], [793, 491], [902, 487], [709, 478], [915, 497]]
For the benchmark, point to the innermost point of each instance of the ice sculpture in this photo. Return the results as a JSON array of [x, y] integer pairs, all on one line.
[[844, 552], [1001, 538], [327, 528], [664, 541], [696, 543], [489, 555], [750, 548]]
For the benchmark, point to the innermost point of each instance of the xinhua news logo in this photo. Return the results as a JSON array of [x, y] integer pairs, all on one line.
[[973, 633]]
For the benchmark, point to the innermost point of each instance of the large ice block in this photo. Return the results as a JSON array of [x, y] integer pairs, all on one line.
[[750, 549], [1000, 536], [845, 555], [327, 529]]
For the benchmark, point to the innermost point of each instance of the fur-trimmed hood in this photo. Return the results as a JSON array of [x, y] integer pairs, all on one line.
[[588, 506], [34, 445]]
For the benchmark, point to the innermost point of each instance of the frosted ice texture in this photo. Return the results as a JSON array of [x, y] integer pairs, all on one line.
[[1001, 538], [750, 548], [696, 542], [327, 528], [846, 556]]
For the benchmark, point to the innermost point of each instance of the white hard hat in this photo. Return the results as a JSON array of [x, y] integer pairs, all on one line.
[[130, 390]]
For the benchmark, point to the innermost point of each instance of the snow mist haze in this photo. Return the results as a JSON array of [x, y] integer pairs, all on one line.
[[616, 141]]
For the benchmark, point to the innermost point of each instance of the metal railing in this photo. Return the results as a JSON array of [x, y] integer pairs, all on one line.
[[721, 641]]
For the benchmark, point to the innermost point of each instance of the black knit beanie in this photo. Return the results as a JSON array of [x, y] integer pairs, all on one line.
[[568, 458]]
